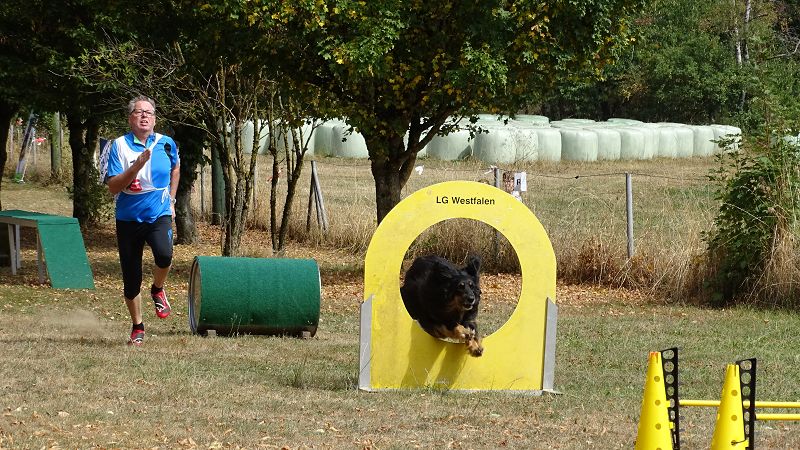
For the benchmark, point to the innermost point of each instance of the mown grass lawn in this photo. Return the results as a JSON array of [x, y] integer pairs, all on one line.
[[67, 379]]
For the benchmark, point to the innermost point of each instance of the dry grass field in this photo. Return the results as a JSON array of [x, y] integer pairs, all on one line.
[[67, 379]]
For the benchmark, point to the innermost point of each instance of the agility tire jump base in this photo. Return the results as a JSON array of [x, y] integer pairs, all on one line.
[[267, 296], [396, 353]]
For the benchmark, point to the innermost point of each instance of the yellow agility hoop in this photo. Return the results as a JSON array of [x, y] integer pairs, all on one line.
[[396, 353]]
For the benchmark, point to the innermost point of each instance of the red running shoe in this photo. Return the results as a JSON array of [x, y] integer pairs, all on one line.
[[137, 338], [162, 304]]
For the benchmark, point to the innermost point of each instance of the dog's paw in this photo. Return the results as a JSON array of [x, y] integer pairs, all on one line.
[[474, 347], [469, 334]]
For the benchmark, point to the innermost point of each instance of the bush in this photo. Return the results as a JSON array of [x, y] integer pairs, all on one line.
[[752, 244]]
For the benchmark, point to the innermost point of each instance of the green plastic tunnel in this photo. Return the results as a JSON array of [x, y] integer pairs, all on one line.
[[271, 296]]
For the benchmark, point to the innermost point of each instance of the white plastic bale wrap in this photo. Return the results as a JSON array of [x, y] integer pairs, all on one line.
[[684, 138], [667, 142], [323, 138], [572, 123], [305, 137], [725, 132], [788, 139], [526, 142], [532, 119], [453, 147], [248, 129], [549, 140], [281, 139], [495, 147], [622, 121], [651, 139], [578, 145], [703, 141], [247, 137], [492, 118], [609, 143], [347, 144], [578, 121], [631, 143]]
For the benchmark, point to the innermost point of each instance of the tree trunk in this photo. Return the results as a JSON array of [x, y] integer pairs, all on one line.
[[184, 219], [217, 188], [55, 146], [82, 141], [273, 194], [238, 171], [295, 154], [391, 164], [7, 111], [190, 144], [387, 187]]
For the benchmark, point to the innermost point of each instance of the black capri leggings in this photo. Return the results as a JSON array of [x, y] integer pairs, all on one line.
[[131, 237]]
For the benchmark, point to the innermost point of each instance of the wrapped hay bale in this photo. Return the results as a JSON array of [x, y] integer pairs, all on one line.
[[703, 137], [346, 144], [562, 124], [248, 129], [651, 138], [526, 142], [495, 147], [684, 138], [323, 138], [631, 143], [725, 132], [304, 135], [306, 138], [578, 145], [667, 142], [609, 143], [579, 121], [532, 119], [621, 121], [549, 141], [453, 147]]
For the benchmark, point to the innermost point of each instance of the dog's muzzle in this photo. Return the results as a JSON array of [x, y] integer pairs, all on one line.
[[469, 303]]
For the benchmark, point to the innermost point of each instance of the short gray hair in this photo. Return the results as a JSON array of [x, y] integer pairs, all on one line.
[[140, 98]]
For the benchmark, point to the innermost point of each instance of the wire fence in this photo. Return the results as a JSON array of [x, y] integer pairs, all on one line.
[[665, 205]]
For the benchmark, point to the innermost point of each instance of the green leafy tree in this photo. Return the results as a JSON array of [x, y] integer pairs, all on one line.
[[41, 42], [696, 62], [401, 70], [205, 72]]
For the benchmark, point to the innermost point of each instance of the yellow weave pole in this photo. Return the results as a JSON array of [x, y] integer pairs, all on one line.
[[654, 424], [729, 427]]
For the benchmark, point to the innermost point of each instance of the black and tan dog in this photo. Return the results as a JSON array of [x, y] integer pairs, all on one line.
[[444, 299]]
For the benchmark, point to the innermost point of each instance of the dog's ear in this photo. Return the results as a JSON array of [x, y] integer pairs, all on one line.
[[473, 265]]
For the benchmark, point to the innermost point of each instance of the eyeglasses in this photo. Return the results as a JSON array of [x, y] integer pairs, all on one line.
[[143, 112]]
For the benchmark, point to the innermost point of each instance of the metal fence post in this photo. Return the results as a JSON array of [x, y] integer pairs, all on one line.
[[629, 208]]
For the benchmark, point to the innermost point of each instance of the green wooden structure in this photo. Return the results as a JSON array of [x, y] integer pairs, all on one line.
[[59, 248]]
